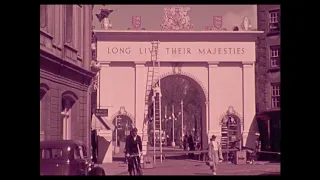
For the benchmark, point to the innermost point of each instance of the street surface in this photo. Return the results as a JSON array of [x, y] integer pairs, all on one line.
[[179, 164], [194, 168]]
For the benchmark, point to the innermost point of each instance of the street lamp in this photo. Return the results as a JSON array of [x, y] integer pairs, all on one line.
[[181, 120], [117, 124], [173, 144]]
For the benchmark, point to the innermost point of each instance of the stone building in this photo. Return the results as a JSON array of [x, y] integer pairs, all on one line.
[[268, 77], [66, 72]]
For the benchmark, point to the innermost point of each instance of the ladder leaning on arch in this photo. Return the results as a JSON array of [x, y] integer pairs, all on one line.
[[153, 74]]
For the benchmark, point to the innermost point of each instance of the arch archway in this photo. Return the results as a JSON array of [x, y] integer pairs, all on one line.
[[189, 76], [124, 122], [198, 127], [231, 127]]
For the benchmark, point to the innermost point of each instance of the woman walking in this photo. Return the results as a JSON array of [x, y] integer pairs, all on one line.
[[215, 154]]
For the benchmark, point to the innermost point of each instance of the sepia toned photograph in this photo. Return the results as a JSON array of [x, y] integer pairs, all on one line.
[[139, 90]]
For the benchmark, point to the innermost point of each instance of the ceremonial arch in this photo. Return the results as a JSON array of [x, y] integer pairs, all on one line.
[[221, 63]]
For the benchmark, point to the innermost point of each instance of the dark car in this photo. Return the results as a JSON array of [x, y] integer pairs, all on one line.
[[64, 157]]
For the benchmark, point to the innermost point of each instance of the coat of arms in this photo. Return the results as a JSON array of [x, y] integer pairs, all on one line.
[[136, 22], [176, 18], [217, 22]]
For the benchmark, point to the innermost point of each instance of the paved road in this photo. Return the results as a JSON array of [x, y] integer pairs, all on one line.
[[192, 167]]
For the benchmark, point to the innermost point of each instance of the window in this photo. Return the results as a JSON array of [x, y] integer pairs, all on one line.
[[50, 153], [275, 96], [274, 56], [69, 23], [66, 118], [274, 20], [79, 32], [43, 16]]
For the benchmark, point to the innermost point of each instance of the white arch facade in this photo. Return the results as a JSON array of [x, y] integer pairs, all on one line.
[[222, 63]]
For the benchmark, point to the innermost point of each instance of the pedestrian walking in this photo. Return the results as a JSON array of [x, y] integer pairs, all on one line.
[[191, 146], [215, 154], [185, 142]]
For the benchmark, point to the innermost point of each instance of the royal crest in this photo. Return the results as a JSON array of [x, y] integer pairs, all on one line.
[[176, 18], [217, 22], [136, 22]]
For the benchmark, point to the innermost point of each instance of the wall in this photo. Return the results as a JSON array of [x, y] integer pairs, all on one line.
[[52, 33], [264, 77], [177, 51], [229, 88], [201, 15], [117, 83], [117, 87], [75, 75], [53, 129]]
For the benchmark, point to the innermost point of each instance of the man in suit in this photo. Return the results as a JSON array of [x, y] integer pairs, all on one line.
[[133, 147]]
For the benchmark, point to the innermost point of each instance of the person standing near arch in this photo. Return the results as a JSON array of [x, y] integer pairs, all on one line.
[[215, 153]]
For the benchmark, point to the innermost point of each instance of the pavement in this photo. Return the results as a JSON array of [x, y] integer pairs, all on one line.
[[194, 168]]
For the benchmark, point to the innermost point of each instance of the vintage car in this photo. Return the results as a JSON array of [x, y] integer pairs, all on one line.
[[64, 157]]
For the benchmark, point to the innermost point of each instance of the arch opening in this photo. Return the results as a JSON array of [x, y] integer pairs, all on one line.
[[231, 132], [181, 92], [123, 124]]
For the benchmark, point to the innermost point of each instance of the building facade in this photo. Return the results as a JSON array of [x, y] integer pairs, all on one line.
[[268, 77], [218, 60], [66, 72]]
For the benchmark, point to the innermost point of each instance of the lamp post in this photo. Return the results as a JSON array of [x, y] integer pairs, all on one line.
[[173, 144], [182, 120], [116, 145]]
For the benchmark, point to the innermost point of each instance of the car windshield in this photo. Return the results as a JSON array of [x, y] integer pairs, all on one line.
[[50, 153]]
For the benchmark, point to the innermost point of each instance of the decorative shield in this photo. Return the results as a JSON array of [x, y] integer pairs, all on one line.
[[136, 22], [217, 21]]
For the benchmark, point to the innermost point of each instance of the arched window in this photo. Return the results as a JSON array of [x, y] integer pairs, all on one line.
[[66, 113], [43, 16], [44, 108], [69, 23]]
